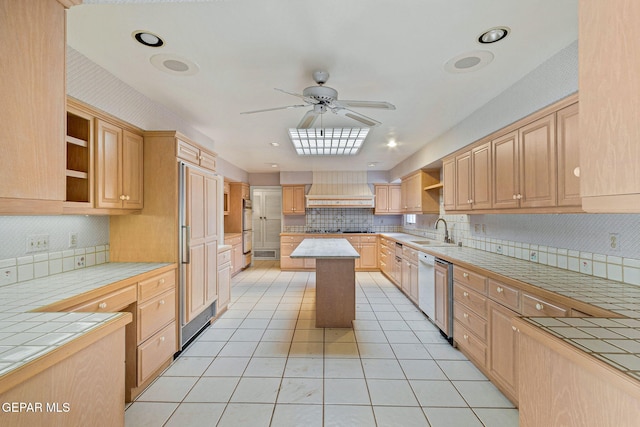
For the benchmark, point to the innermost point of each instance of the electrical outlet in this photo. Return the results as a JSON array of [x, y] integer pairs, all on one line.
[[533, 256], [37, 243], [80, 261], [8, 275], [476, 228], [614, 242], [499, 249], [484, 229], [73, 239]]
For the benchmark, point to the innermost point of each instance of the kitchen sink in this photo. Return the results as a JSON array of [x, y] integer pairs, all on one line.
[[423, 242]]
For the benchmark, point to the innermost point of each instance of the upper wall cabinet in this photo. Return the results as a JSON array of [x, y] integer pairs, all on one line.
[[104, 163], [529, 166], [293, 202], [388, 199], [194, 154], [609, 105], [421, 192], [32, 111]]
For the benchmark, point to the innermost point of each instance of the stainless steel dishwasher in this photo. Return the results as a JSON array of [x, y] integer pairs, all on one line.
[[427, 290]]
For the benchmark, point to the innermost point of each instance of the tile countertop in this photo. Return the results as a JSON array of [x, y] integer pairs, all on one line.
[[614, 341], [26, 336]]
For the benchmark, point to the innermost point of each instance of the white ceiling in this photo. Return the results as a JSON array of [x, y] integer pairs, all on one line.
[[379, 50]]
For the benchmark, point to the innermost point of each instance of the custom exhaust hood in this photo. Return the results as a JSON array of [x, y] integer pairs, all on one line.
[[340, 190]]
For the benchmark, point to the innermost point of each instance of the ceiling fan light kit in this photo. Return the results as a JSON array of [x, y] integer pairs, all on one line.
[[323, 98]]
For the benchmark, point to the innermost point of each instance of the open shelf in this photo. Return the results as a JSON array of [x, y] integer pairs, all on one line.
[[433, 186], [78, 146]]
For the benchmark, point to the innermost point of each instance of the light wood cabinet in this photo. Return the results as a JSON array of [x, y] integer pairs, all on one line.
[[441, 304], [79, 155], [473, 178], [470, 314], [449, 179], [202, 231], [409, 273], [526, 167], [568, 156], [32, 113], [503, 350], [195, 154], [224, 279], [367, 247], [293, 201], [609, 105], [237, 259], [388, 199], [119, 167], [420, 192]]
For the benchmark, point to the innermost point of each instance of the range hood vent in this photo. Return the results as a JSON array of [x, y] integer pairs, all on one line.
[[340, 190]]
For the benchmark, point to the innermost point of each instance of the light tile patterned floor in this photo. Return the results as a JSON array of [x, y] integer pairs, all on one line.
[[263, 363]]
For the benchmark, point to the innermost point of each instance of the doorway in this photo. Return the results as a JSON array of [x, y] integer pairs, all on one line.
[[267, 219]]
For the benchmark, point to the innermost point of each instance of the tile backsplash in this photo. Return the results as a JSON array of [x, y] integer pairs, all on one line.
[[20, 269]]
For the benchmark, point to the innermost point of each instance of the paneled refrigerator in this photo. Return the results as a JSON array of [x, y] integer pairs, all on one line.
[[199, 192]]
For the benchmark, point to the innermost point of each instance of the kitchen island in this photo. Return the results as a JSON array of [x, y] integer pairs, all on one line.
[[335, 280]]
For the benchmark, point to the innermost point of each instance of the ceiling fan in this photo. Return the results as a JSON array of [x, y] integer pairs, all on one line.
[[323, 99]]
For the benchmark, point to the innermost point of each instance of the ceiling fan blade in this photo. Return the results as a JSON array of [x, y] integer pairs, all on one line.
[[273, 109], [308, 120], [368, 121], [367, 104], [305, 98]]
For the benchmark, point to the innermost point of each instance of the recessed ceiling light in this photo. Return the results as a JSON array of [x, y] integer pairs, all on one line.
[[148, 39], [392, 143], [174, 64], [493, 35], [469, 61], [371, 164], [275, 144], [274, 165]]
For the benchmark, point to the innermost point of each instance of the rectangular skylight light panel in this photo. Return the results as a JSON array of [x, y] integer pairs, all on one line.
[[328, 142]]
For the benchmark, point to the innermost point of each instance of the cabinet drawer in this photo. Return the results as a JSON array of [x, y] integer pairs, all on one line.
[[233, 241], [470, 321], [505, 295], [112, 302], [224, 257], [535, 306], [468, 278], [471, 299], [409, 253], [287, 248], [368, 239], [155, 313], [155, 351], [291, 239], [352, 239], [472, 346], [156, 285]]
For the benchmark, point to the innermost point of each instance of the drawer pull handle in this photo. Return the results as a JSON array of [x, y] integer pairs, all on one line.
[[499, 289], [161, 339], [161, 302], [102, 305], [465, 294], [161, 281], [466, 337], [514, 328], [539, 306], [466, 315], [465, 275]]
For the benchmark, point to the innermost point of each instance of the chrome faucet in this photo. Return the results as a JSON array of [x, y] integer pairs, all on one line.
[[446, 230]]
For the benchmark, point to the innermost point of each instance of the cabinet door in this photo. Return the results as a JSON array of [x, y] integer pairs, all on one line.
[[382, 199], [368, 255], [449, 187], [413, 281], [504, 180], [109, 166], [207, 160], [503, 349], [537, 153], [211, 272], [481, 177], [198, 258], [298, 199], [224, 286], [463, 181], [441, 316], [188, 152], [395, 199], [568, 156], [132, 170], [405, 277]]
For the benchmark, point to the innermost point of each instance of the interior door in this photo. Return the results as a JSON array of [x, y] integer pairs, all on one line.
[[267, 213]]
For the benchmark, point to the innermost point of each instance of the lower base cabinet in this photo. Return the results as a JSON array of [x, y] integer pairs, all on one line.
[[503, 350], [224, 280]]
